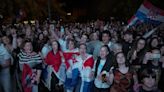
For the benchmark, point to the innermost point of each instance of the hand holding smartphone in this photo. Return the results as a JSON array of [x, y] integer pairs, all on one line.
[[155, 57], [152, 56]]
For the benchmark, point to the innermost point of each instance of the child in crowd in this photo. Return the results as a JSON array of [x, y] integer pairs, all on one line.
[[148, 82]]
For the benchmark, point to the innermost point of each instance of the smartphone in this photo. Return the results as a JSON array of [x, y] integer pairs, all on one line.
[[156, 57]]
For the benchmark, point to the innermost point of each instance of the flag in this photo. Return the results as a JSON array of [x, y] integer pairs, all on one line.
[[46, 76], [70, 57], [147, 13], [56, 66], [26, 78], [84, 69]]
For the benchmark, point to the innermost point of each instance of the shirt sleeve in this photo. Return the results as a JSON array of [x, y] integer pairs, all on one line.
[[8, 56], [94, 66], [62, 44]]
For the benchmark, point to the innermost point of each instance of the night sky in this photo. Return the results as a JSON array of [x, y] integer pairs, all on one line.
[[80, 9]]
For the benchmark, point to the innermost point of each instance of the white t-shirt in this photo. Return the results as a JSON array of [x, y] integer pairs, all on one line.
[[98, 82]]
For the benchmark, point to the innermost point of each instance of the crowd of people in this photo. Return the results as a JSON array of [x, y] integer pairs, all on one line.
[[97, 56]]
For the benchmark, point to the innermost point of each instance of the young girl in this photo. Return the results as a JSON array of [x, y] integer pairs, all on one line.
[[148, 83]]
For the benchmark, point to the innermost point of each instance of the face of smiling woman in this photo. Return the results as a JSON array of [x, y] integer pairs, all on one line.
[[141, 44], [103, 52], [28, 47], [55, 46], [82, 49], [71, 45]]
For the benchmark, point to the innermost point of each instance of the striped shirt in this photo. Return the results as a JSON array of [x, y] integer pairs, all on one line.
[[32, 60]]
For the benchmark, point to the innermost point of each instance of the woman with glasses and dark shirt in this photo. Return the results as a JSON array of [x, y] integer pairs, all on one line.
[[136, 55]]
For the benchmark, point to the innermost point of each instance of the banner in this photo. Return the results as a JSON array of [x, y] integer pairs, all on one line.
[[147, 13]]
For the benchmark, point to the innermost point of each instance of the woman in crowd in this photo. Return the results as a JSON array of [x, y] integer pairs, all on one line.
[[124, 75], [103, 71], [30, 64], [136, 55], [82, 71], [55, 60], [39, 42], [153, 43], [70, 55]]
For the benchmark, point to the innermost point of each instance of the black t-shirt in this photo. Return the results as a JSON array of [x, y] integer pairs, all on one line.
[[142, 90], [126, 47], [161, 81]]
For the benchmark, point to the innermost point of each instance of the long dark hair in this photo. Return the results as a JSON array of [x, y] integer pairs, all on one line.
[[59, 47], [127, 64], [135, 44], [150, 46], [147, 72], [71, 40], [106, 46], [141, 52]]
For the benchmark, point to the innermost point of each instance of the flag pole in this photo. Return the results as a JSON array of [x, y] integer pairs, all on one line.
[[152, 31], [49, 10]]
